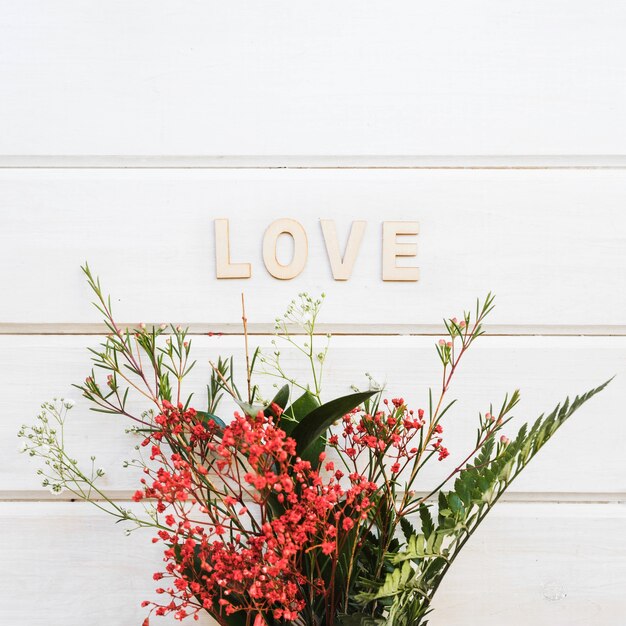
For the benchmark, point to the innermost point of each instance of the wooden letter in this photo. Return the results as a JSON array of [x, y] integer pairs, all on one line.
[[223, 267], [300, 248], [392, 249], [342, 267]]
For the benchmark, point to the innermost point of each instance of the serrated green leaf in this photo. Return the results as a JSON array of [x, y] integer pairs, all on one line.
[[428, 526], [407, 528]]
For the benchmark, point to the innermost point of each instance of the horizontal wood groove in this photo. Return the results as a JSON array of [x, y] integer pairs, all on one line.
[[205, 328], [122, 495], [418, 162]]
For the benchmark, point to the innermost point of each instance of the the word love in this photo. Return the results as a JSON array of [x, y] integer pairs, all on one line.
[[394, 248]]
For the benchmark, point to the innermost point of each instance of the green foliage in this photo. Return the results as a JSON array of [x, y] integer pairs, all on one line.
[[280, 400], [294, 413], [420, 567], [311, 430], [209, 417], [215, 389]]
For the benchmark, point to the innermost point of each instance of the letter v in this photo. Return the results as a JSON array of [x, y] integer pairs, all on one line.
[[342, 267]]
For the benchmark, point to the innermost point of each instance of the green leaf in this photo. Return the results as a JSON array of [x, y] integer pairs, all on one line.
[[408, 530], [280, 399], [428, 525], [418, 549], [294, 413], [252, 410], [456, 504], [442, 506], [209, 417], [312, 428]]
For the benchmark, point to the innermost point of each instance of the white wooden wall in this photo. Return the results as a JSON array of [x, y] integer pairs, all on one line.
[[127, 127]]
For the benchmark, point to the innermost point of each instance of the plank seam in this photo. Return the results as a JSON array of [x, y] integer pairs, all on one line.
[[349, 330], [373, 162]]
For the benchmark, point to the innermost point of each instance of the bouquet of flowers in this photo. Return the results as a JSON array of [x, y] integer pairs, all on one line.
[[298, 510]]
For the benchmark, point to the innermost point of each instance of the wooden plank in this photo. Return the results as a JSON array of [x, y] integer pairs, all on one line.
[[363, 330], [549, 243], [585, 461], [75, 567], [540, 564], [526, 77], [373, 161]]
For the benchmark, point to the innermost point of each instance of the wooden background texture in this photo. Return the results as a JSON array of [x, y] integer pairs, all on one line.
[[128, 127]]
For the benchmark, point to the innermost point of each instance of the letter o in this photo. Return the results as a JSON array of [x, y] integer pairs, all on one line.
[[300, 248]]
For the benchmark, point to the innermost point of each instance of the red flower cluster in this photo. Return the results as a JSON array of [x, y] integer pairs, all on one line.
[[389, 435], [242, 509]]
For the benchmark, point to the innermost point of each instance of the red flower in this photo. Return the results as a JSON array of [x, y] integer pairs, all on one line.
[[231, 556]]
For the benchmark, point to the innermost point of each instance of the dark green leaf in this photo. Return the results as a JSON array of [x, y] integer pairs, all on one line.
[[209, 417], [408, 530], [293, 414], [427, 521], [280, 399], [312, 428]]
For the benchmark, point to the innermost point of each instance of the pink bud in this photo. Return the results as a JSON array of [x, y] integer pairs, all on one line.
[[505, 440], [442, 342]]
